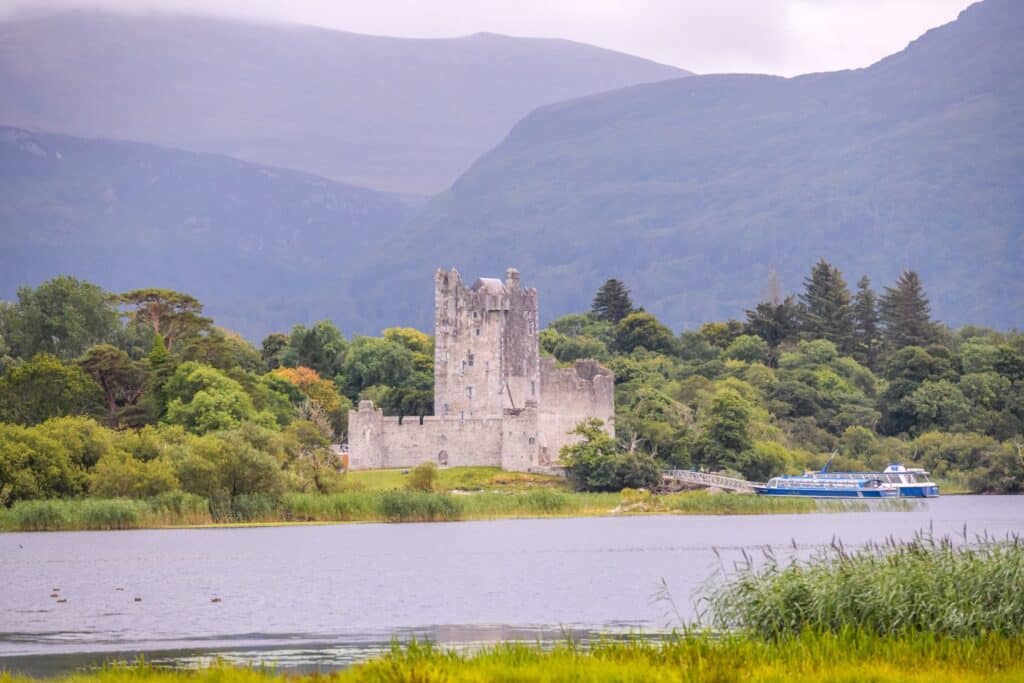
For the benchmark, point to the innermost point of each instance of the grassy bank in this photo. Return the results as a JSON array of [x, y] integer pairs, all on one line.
[[848, 656], [182, 509]]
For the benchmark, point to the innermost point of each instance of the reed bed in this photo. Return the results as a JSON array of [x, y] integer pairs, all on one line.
[[691, 657], [177, 508], [926, 585]]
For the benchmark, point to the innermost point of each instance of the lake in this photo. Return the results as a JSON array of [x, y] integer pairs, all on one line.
[[305, 597]]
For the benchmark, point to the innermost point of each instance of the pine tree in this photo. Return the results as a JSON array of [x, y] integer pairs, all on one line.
[[826, 311], [867, 334], [161, 367], [612, 302], [906, 314]]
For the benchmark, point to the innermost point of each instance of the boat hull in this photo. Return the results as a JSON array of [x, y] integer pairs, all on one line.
[[852, 493]]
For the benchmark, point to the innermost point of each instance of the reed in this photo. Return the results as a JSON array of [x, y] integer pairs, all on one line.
[[923, 585]]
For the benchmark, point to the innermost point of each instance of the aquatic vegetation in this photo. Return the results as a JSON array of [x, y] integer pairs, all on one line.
[[176, 508], [923, 585], [691, 657]]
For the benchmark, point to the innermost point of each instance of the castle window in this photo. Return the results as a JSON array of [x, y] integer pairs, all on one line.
[[532, 440], [478, 331], [475, 315], [469, 360], [533, 388], [445, 408], [469, 392]]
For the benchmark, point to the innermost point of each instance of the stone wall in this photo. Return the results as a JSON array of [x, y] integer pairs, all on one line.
[[569, 396], [379, 442]]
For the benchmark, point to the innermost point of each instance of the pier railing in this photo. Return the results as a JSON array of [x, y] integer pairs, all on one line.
[[706, 479]]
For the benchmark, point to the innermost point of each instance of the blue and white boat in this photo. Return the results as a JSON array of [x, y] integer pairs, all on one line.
[[910, 482], [811, 486]]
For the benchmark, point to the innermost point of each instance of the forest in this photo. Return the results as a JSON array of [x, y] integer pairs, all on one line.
[[138, 395]]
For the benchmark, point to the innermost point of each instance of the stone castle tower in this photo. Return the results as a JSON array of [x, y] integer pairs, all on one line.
[[496, 401]]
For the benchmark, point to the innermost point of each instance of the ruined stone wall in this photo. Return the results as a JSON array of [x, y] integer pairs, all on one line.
[[447, 443], [520, 439], [569, 396]]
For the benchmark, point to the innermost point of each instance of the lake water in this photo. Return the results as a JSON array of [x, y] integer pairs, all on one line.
[[306, 597]]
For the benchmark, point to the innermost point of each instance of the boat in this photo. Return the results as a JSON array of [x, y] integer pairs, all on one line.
[[828, 487], [910, 482]]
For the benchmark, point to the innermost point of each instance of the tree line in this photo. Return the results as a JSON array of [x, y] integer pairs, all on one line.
[[139, 394], [864, 378]]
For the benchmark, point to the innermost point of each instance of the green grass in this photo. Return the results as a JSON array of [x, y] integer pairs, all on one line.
[[458, 478], [924, 585], [687, 658]]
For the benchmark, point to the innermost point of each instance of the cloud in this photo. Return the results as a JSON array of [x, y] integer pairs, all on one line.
[[784, 37]]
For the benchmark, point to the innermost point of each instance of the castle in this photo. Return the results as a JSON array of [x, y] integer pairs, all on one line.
[[496, 401]]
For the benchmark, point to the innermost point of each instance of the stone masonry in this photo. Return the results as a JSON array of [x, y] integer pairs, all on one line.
[[497, 402]]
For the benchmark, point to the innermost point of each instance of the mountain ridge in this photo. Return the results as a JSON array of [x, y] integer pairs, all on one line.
[[692, 189], [396, 114]]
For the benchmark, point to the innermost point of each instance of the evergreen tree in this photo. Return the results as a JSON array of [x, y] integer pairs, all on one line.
[[867, 333], [612, 302], [826, 311], [161, 367], [776, 323], [906, 314]]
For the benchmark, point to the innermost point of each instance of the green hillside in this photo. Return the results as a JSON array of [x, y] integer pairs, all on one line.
[[693, 189]]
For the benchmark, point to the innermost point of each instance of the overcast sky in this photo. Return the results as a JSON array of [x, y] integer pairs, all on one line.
[[784, 37]]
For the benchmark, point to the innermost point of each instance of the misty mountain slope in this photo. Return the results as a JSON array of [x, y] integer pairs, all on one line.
[[254, 243], [691, 189], [405, 115]]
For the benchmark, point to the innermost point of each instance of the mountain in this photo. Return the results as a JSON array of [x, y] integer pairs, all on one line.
[[692, 189], [395, 114], [260, 246]]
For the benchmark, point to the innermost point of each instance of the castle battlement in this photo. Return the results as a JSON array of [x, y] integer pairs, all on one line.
[[496, 401]]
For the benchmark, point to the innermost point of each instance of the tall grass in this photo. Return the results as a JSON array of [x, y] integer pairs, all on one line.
[[367, 505], [923, 585], [687, 658]]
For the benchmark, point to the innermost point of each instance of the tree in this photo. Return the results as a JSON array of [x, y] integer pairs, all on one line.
[[906, 314], [867, 339], [371, 361], [172, 315], [321, 347], [272, 349], [594, 464], [826, 310], [315, 462], [121, 379], [204, 399], [612, 302], [777, 324], [119, 475], [43, 387], [62, 317], [725, 438], [34, 465], [641, 329], [748, 348]]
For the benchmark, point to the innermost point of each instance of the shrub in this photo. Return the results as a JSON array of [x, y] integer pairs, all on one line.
[[423, 477]]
